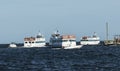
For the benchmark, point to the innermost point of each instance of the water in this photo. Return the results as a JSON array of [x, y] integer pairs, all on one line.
[[88, 58]]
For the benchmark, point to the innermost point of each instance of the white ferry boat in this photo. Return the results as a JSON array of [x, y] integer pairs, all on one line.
[[12, 45], [90, 40], [63, 41], [38, 41]]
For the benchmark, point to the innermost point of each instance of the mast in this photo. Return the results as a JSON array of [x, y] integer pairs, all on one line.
[[107, 32]]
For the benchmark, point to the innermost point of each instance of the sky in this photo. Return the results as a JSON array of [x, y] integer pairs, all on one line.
[[24, 18]]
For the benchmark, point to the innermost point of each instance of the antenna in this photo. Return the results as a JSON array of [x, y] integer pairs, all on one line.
[[39, 33], [107, 32], [57, 31]]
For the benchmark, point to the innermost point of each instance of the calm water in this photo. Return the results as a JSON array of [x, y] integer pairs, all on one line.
[[88, 58]]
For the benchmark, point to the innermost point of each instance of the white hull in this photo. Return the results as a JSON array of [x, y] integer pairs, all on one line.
[[35, 47], [74, 47], [12, 45], [89, 42]]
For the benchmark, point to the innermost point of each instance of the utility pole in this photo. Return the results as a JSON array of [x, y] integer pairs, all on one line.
[[107, 41], [107, 31]]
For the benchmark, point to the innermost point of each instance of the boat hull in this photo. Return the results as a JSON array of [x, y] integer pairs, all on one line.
[[74, 47], [89, 42]]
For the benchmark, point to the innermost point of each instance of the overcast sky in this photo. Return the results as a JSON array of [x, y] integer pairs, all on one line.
[[22, 18]]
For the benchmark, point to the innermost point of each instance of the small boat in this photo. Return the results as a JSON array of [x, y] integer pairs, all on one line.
[[12, 45], [90, 40]]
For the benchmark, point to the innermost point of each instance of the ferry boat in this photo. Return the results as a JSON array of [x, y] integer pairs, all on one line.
[[12, 45], [38, 41], [90, 40], [63, 41]]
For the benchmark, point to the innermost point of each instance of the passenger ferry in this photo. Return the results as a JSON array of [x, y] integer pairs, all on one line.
[[38, 41], [63, 41], [90, 40]]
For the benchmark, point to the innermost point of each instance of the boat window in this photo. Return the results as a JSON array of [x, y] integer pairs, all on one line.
[[25, 42], [40, 42], [84, 40], [64, 40], [72, 40], [89, 40], [56, 41], [59, 41], [37, 42]]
